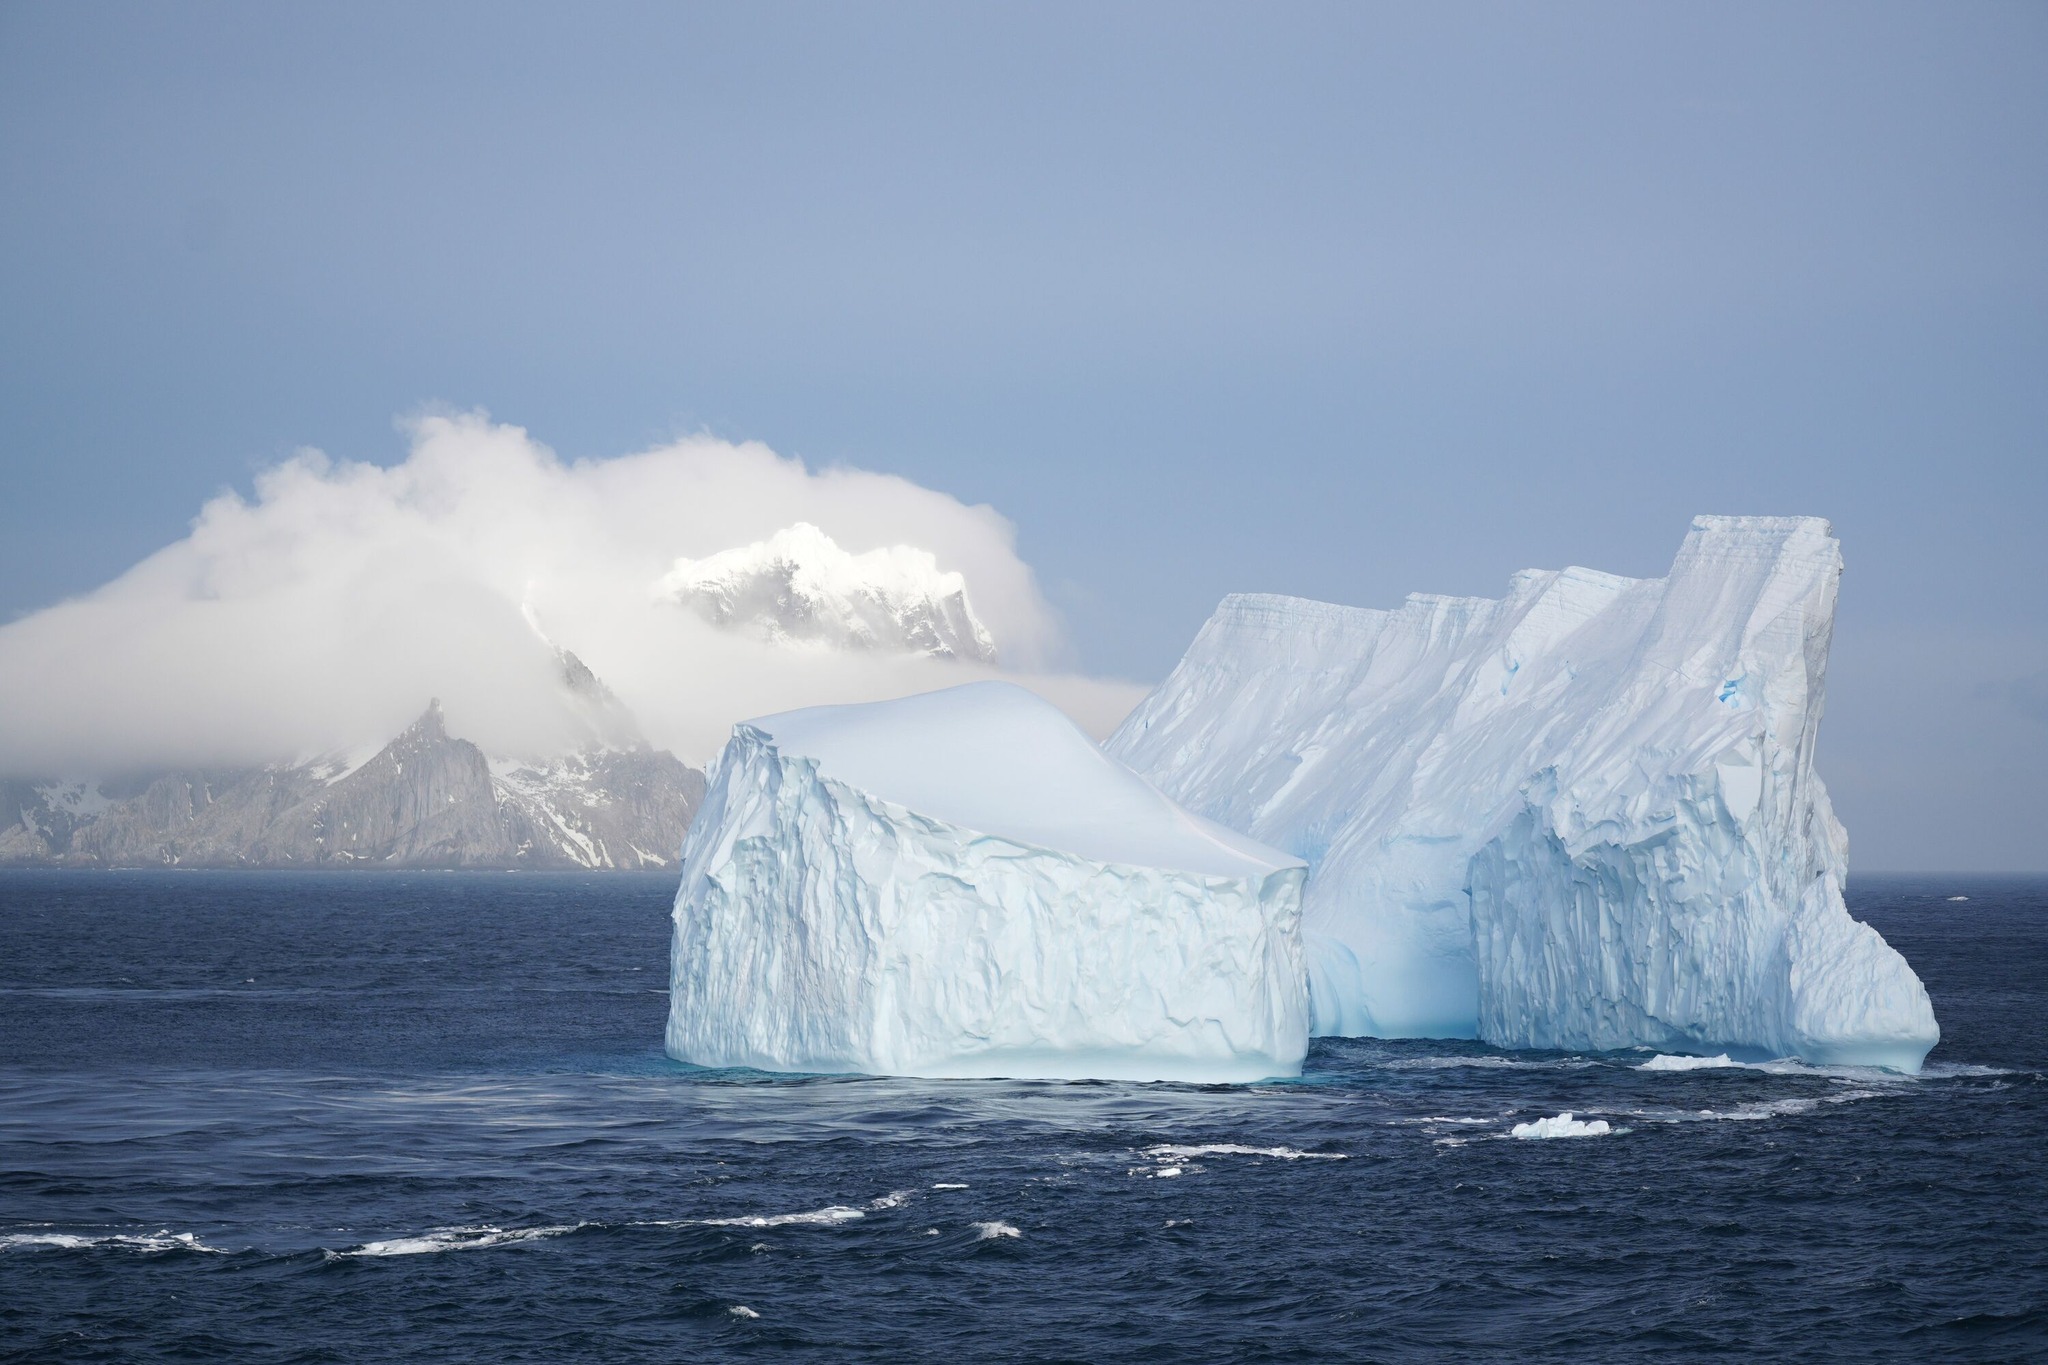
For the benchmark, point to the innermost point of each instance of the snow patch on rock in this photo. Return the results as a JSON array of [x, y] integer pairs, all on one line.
[[800, 587]]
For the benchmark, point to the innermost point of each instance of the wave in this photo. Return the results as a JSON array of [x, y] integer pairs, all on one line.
[[1175, 1152], [989, 1231], [146, 1242], [1668, 1062], [1792, 1066], [825, 1217], [1762, 1109], [1487, 1063], [456, 1239]]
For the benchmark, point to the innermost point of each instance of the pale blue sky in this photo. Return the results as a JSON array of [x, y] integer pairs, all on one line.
[[1344, 301]]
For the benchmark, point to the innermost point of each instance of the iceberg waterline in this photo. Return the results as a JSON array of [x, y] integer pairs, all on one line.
[[962, 884], [1584, 815]]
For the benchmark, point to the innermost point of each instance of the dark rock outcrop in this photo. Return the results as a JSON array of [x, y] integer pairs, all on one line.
[[427, 799]]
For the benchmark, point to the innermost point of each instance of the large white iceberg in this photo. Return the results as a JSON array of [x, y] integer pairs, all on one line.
[[963, 884], [1584, 815]]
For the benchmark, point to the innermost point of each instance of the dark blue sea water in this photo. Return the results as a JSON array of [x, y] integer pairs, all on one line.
[[376, 1116]]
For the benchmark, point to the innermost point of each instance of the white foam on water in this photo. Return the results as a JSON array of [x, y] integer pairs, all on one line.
[[740, 1310], [1442, 1118], [1943, 1071], [825, 1217], [1759, 1111], [948, 1185], [1178, 1222], [1667, 1062], [1485, 1063], [456, 1239], [1771, 1109], [147, 1242], [1562, 1126], [1958, 898], [1166, 1172], [1175, 1152], [895, 1199], [1792, 1066], [989, 1231]]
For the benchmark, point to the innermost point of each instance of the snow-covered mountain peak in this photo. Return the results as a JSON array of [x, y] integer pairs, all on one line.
[[799, 586]]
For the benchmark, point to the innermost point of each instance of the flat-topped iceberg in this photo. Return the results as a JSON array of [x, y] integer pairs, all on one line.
[[1584, 815], [963, 884]]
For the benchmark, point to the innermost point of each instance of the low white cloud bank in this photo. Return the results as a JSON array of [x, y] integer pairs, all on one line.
[[325, 613]]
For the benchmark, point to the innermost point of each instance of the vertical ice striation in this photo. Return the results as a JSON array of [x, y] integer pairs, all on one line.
[[962, 884], [1583, 815]]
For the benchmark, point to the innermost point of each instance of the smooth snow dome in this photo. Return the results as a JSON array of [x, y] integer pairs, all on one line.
[[995, 758], [961, 884], [1584, 815]]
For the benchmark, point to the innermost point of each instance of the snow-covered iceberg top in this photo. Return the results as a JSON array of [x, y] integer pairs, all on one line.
[[1583, 815], [962, 884]]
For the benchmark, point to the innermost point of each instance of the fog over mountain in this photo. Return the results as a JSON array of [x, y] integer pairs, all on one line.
[[324, 612]]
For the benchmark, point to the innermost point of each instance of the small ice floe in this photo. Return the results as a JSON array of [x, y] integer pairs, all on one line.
[[1166, 1172], [1958, 898], [1563, 1126], [1667, 1062], [1178, 1222], [895, 1199], [989, 1231], [740, 1310]]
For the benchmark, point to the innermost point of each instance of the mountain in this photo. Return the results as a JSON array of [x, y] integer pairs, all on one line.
[[799, 587], [426, 799]]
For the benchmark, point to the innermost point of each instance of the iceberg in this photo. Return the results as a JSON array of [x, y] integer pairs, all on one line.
[[1563, 1126], [1584, 815], [963, 884]]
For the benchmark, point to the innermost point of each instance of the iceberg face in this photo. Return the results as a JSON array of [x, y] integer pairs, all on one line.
[[962, 884], [1584, 815]]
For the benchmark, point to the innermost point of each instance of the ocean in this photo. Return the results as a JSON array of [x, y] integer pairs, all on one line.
[[378, 1116]]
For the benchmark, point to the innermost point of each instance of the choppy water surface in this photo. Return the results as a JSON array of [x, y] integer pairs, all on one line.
[[362, 1116]]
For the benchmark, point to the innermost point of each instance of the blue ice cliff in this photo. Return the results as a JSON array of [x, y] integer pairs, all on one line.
[[1583, 815], [963, 884]]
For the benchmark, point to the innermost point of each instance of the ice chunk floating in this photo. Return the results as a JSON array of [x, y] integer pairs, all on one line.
[[1563, 1126], [1584, 815], [962, 884]]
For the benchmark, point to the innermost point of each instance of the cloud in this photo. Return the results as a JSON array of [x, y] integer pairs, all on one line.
[[324, 612]]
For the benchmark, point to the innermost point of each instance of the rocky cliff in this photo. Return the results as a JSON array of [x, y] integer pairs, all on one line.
[[426, 799]]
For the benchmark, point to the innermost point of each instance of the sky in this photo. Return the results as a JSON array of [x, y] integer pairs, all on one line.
[[1344, 301]]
